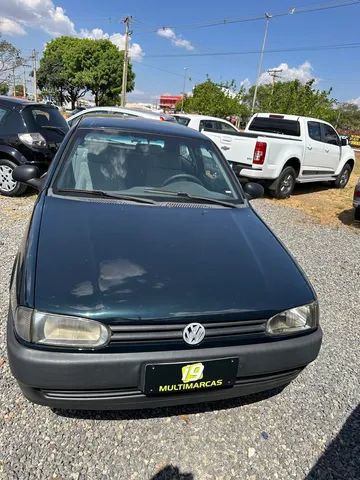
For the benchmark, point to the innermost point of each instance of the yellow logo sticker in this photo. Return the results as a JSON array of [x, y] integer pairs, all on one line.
[[192, 372]]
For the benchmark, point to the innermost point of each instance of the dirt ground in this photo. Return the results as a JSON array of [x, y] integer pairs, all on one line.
[[325, 204]]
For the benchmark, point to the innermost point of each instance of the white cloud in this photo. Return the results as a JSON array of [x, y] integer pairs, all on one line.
[[36, 14], [176, 40], [355, 101], [245, 84], [10, 27], [136, 52], [303, 73], [18, 15]]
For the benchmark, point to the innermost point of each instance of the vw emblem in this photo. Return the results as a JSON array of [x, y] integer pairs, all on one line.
[[193, 333]]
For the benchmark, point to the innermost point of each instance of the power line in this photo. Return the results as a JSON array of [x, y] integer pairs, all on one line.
[[253, 52], [230, 21]]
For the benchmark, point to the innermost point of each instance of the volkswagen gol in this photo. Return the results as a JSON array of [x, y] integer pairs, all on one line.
[[146, 279]]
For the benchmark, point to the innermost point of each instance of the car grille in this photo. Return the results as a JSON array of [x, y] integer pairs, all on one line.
[[173, 333]]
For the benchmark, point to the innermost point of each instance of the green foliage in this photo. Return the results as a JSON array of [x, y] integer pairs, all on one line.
[[70, 67], [293, 98], [19, 90], [347, 117], [210, 98], [4, 88]]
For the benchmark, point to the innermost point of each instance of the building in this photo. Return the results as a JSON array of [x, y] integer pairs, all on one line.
[[168, 102]]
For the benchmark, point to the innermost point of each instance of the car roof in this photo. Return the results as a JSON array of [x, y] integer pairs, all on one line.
[[201, 117], [19, 102], [139, 125], [137, 112]]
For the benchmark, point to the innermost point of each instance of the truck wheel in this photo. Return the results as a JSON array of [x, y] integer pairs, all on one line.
[[285, 184], [344, 176], [8, 186]]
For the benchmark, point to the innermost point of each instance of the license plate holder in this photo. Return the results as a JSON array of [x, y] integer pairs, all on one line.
[[187, 377]]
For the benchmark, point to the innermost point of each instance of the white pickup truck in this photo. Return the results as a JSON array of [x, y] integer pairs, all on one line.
[[280, 150]]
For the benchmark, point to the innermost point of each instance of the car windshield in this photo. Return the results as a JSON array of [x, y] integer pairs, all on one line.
[[145, 165]]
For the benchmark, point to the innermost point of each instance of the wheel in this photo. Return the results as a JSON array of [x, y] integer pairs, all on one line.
[[8, 186], [285, 184], [344, 176]]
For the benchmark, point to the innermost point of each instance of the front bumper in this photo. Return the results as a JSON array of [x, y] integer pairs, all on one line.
[[113, 380]]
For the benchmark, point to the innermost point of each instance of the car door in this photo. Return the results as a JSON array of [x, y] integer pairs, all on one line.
[[332, 150], [314, 150]]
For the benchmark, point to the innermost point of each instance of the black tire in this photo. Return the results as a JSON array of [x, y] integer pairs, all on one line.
[[8, 187], [343, 177], [285, 184]]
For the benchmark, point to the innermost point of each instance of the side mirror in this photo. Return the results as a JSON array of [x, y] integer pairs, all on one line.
[[344, 141], [29, 174], [253, 190]]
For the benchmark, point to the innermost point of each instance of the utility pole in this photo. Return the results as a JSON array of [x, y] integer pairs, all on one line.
[[127, 21], [34, 59], [268, 16], [183, 95], [274, 73], [24, 83], [13, 79]]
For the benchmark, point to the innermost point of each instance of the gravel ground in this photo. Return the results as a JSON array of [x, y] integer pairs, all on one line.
[[310, 430]]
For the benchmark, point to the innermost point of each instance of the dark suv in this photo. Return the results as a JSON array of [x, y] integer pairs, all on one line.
[[29, 133]]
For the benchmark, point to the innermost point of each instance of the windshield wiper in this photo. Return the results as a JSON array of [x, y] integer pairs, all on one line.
[[199, 198], [58, 129], [101, 193]]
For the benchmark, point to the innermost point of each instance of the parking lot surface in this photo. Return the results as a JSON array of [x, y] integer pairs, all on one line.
[[310, 430]]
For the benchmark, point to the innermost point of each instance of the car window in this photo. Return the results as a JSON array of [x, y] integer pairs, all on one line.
[[41, 117], [138, 164], [314, 130], [10, 121], [208, 124], [225, 127], [182, 120], [329, 135], [3, 112], [281, 126]]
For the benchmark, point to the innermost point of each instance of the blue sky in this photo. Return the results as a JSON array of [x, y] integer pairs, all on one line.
[[171, 28]]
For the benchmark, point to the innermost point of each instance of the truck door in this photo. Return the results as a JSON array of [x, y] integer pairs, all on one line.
[[332, 150], [314, 149]]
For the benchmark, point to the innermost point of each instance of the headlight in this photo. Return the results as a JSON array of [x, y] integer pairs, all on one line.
[[294, 320], [32, 139], [59, 330]]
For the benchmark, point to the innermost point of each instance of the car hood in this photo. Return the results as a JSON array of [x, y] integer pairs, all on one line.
[[110, 260]]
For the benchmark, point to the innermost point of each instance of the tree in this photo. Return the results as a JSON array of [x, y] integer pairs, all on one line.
[[103, 69], [347, 117], [9, 59], [19, 90], [209, 98], [70, 67], [293, 98], [4, 88]]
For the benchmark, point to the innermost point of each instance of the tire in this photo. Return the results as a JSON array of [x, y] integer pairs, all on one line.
[[8, 187], [343, 177], [285, 184]]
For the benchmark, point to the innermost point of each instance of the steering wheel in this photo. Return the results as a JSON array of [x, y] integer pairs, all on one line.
[[175, 178]]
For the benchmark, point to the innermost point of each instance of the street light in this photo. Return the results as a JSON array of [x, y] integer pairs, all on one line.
[[268, 16], [182, 100]]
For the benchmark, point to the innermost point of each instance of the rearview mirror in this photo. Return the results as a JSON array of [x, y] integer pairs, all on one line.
[[344, 141], [253, 190], [28, 174]]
